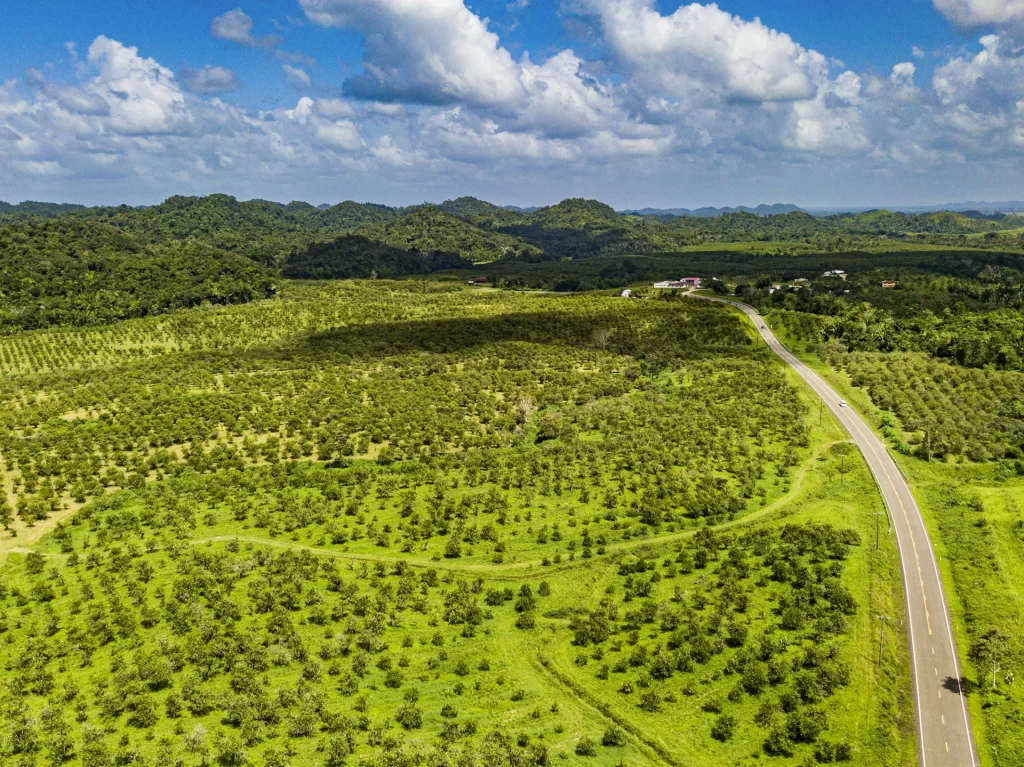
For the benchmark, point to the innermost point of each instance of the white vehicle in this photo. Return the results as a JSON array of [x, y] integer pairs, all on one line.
[[842, 403]]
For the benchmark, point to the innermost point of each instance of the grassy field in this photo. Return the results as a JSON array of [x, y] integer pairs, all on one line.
[[402, 523], [975, 516]]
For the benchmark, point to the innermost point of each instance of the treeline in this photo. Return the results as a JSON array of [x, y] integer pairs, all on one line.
[[67, 272]]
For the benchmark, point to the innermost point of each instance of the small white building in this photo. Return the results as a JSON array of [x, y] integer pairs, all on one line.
[[836, 273], [627, 293]]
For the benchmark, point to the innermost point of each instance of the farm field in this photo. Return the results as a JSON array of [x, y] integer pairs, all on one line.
[[407, 523], [954, 431]]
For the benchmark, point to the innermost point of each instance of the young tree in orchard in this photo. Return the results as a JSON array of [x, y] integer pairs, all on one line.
[[989, 650]]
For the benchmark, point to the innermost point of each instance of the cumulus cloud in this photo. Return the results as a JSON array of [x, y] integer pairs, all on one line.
[[74, 100], [141, 95], [992, 79], [236, 27], [428, 52], [209, 79], [970, 14], [701, 49]]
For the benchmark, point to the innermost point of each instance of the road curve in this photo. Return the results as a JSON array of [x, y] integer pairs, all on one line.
[[943, 726]]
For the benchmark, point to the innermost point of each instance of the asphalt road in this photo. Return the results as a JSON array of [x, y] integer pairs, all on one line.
[[943, 726]]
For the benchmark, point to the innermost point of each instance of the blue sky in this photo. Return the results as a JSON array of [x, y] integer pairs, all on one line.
[[636, 102]]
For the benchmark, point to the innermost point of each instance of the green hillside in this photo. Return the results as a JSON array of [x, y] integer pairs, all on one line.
[[356, 257], [67, 272]]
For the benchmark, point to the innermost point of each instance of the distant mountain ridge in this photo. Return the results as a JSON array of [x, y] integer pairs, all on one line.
[[777, 209], [976, 207]]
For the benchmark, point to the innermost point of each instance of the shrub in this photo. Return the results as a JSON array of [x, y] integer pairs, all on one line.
[[723, 728], [586, 747], [613, 736]]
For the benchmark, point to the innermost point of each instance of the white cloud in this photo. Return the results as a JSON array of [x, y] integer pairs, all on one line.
[[141, 95], [992, 79], [335, 109], [40, 167], [388, 152], [236, 27], [970, 14], [831, 122], [903, 72], [209, 79], [700, 50], [296, 76], [341, 134], [428, 51]]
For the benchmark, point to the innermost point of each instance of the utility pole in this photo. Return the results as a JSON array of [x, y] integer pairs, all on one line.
[[881, 638], [877, 515]]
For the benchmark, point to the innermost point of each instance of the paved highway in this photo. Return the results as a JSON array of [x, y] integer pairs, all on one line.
[[943, 727]]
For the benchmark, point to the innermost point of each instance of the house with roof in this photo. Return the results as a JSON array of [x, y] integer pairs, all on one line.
[[686, 283]]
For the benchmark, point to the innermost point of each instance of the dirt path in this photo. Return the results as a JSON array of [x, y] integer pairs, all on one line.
[[533, 569], [27, 536]]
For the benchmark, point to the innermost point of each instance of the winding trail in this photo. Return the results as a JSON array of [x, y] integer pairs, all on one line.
[[943, 726]]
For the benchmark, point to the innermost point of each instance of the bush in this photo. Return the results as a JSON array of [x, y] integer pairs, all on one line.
[[409, 716], [586, 747], [613, 736], [778, 741], [724, 727], [650, 702]]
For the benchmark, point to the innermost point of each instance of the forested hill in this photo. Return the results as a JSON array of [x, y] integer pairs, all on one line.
[[30, 209], [72, 272], [263, 231], [67, 264], [271, 233]]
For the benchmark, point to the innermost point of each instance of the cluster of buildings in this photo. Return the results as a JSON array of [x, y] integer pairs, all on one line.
[[687, 283]]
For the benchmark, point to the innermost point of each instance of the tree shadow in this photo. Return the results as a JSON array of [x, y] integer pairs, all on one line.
[[661, 335], [962, 686]]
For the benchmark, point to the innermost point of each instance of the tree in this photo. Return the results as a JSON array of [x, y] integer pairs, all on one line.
[[989, 650], [613, 736], [586, 747], [723, 728]]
